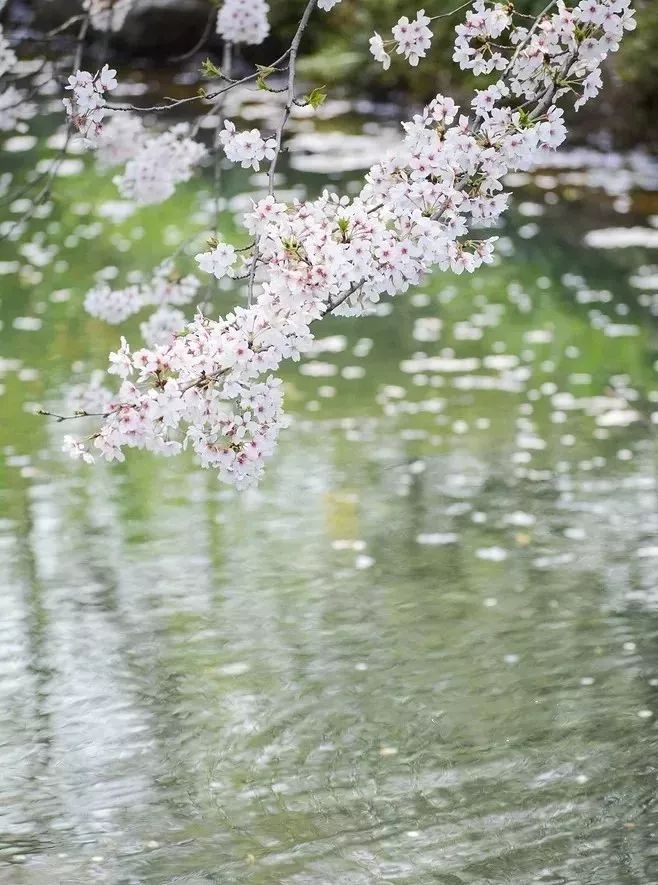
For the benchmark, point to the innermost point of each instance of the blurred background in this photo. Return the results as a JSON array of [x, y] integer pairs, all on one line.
[[424, 650], [154, 30]]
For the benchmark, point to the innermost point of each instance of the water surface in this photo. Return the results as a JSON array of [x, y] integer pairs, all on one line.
[[424, 651]]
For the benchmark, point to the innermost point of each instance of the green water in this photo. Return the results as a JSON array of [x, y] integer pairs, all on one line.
[[424, 651]]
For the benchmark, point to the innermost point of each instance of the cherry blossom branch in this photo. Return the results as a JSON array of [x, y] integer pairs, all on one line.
[[211, 386], [340, 299], [545, 101]]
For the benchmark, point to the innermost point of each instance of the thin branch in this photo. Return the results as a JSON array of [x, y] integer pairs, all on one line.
[[290, 98], [292, 70], [84, 27], [204, 380], [202, 39], [452, 11], [227, 59], [332, 305], [548, 96], [57, 162], [177, 102], [81, 414], [64, 27]]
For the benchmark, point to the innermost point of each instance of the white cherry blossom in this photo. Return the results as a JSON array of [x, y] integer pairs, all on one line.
[[243, 21], [86, 106], [218, 261], [162, 162], [7, 54], [379, 52], [248, 148], [413, 38]]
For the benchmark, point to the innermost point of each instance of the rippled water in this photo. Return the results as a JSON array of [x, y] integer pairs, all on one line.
[[423, 651]]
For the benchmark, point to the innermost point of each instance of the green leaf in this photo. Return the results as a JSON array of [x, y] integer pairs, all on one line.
[[263, 73], [316, 97], [210, 69]]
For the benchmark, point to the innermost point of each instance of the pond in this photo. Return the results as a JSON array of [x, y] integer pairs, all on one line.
[[424, 649]]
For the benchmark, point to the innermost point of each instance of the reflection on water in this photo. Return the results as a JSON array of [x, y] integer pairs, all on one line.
[[423, 651]]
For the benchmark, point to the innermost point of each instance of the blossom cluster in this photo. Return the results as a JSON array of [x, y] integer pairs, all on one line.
[[120, 139], [76, 449], [7, 54], [154, 163], [411, 39], [159, 163], [113, 305], [14, 107], [566, 49], [218, 261], [200, 390], [479, 38], [86, 106], [166, 288], [248, 147], [243, 21], [211, 385]]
